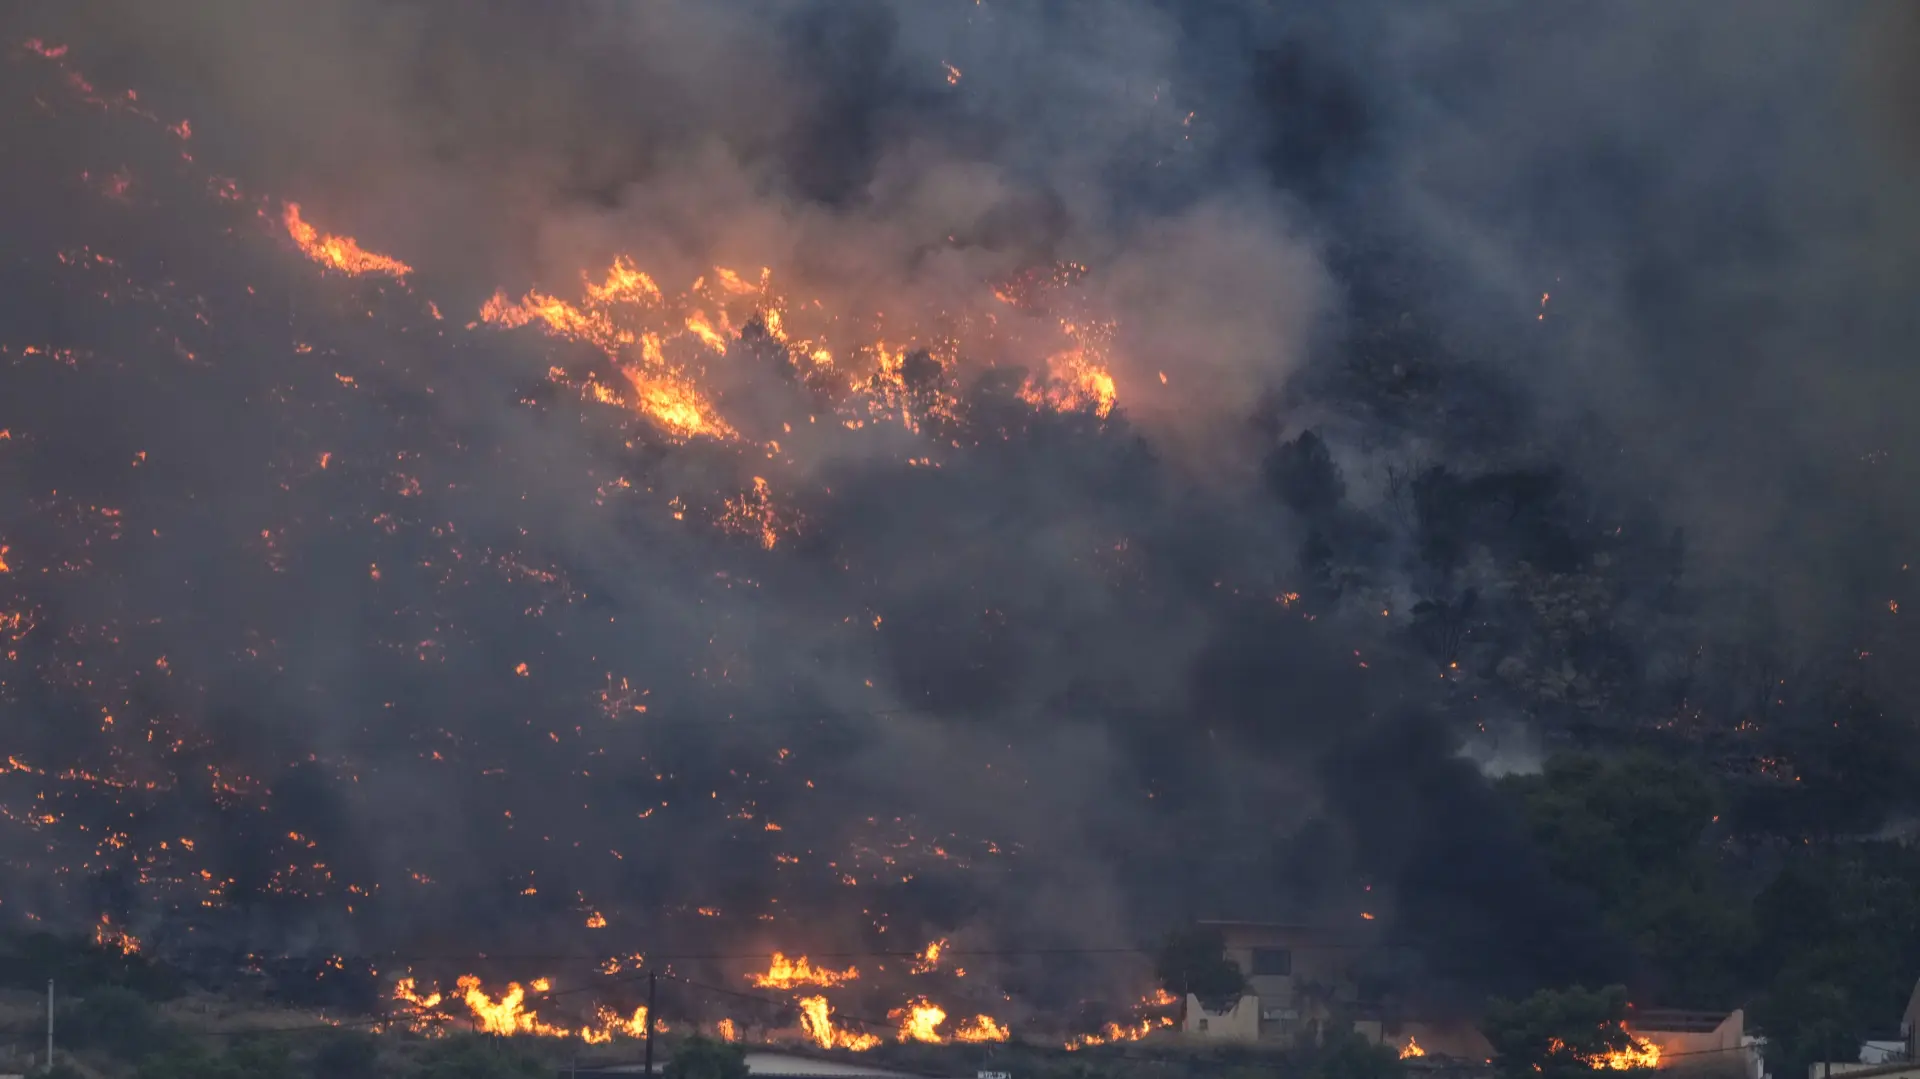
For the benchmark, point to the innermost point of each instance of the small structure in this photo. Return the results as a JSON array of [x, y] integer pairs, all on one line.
[[1714, 1042], [1299, 978], [1240, 1023], [1853, 1069]]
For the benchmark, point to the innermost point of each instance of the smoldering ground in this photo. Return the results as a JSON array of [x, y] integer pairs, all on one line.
[[1068, 657]]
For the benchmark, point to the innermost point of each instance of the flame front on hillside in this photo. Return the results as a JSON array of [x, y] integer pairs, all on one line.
[[784, 973], [341, 253]]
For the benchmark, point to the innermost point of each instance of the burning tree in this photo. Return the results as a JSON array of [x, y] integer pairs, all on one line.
[[1567, 1032], [1195, 961]]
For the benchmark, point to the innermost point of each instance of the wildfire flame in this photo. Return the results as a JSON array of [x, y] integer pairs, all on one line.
[[784, 973], [919, 1021], [341, 253], [1411, 1049], [1115, 1032], [1133, 1032], [1637, 1054], [660, 390], [661, 343], [109, 936], [929, 957], [816, 1021], [753, 514], [509, 1014], [981, 1028]]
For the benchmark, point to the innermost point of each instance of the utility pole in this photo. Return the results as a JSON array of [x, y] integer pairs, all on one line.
[[650, 1022], [49, 1024]]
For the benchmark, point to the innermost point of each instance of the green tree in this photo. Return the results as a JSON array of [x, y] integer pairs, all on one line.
[[1195, 961], [1555, 1034], [1629, 830], [706, 1058], [1808, 1021]]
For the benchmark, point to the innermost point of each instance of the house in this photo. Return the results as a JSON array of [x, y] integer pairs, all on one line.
[[1703, 1042], [1910, 1023], [1299, 979], [1877, 1055]]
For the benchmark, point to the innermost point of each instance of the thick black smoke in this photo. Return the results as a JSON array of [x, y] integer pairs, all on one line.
[[373, 595]]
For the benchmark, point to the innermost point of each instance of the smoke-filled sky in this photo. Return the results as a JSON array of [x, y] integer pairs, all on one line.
[[415, 590]]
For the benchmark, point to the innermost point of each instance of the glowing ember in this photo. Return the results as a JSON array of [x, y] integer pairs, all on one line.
[[341, 253], [752, 514], [784, 973], [110, 936]]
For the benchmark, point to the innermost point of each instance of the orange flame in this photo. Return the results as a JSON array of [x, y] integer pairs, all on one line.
[[929, 957], [816, 1021], [981, 1028], [1411, 1049], [919, 1021], [509, 1014], [110, 936], [1639, 1053], [784, 973], [1075, 382], [676, 335], [1115, 1032], [341, 253], [752, 514]]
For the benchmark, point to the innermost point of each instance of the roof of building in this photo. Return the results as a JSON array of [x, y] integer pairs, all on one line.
[[1678, 1020]]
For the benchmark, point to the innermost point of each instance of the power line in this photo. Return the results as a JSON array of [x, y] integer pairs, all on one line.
[[565, 957]]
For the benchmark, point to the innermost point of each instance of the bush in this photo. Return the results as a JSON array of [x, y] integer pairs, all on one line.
[[346, 1054], [705, 1058], [119, 1021], [475, 1057]]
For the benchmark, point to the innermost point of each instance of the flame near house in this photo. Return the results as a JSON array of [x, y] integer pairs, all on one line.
[[1637, 1054]]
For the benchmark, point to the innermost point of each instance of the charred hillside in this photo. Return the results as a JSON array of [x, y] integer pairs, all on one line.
[[452, 529]]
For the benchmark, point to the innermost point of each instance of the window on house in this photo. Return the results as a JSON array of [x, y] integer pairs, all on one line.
[[1272, 962]]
